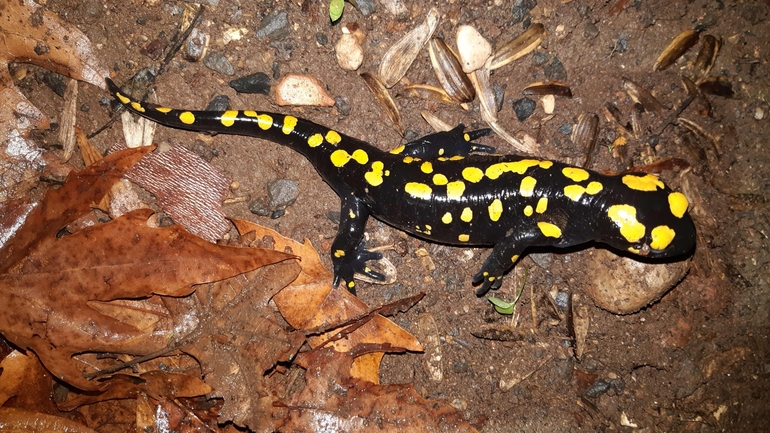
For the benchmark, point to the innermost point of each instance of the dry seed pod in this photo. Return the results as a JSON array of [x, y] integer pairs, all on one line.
[[520, 46], [400, 56], [683, 42], [612, 114], [556, 88], [585, 135], [642, 96], [689, 86], [636, 119], [719, 86], [437, 124], [427, 92], [707, 55], [391, 109], [449, 71]]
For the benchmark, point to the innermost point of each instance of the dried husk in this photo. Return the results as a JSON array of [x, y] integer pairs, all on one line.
[[437, 124], [642, 96], [707, 55], [556, 88], [385, 100], [636, 120], [719, 86], [427, 92], [520, 46], [401, 55], [683, 42], [449, 72], [585, 135]]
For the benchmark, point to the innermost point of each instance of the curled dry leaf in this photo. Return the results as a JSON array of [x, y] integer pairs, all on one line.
[[401, 55], [449, 72], [681, 43], [519, 47], [385, 100]]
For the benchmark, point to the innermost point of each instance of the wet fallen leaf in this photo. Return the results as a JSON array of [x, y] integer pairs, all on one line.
[[17, 421], [48, 281], [29, 34]]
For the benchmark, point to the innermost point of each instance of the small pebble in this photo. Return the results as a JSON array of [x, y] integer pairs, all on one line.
[[590, 31], [555, 71], [321, 38], [499, 95], [539, 58], [196, 45], [472, 48], [283, 193], [349, 53], [256, 83], [759, 113], [621, 45], [343, 107], [219, 103], [260, 206], [298, 89], [549, 102], [366, 7], [523, 108], [85, 108], [219, 63], [565, 128], [460, 366], [274, 26]]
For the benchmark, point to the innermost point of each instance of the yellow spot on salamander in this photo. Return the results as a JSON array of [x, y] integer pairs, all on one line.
[[163, 110], [648, 182], [520, 167], [439, 179], [418, 190], [574, 192], [315, 140], [466, 215], [289, 122], [187, 118], [360, 156], [351, 213], [527, 187], [250, 113], [447, 218], [624, 216], [455, 189], [542, 205], [495, 209], [594, 187], [374, 177], [528, 210], [122, 98], [339, 253], [678, 204], [575, 174], [456, 158], [340, 157], [137, 106], [463, 238], [351, 284], [265, 121], [410, 159], [549, 230], [661, 237], [398, 150], [228, 117], [426, 167], [545, 165], [466, 137], [634, 250], [514, 258], [472, 174], [333, 137]]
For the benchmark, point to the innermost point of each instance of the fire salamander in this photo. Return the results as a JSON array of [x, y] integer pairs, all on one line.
[[437, 189]]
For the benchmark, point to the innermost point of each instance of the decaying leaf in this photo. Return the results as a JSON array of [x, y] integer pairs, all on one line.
[[29, 34], [17, 421], [47, 282]]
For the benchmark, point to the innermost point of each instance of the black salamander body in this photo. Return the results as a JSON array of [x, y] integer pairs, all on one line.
[[436, 189]]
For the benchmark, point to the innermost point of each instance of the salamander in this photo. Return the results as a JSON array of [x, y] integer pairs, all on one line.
[[447, 188]]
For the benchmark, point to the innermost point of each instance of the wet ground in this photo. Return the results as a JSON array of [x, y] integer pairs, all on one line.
[[697, 360]]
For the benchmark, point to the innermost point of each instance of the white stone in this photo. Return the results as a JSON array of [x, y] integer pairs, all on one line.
[[549, 102], [298, 89], [472, 48], [349, 53]]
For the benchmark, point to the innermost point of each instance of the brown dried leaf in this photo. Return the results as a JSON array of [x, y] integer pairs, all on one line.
[[331, 394], [188, 188], [20, 421], [681, 43]]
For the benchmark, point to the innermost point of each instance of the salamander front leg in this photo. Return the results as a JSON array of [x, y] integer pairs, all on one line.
[[450, 143], [504, 255], [348, 253]]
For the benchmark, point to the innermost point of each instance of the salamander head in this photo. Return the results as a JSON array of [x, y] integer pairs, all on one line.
[[652, 224]]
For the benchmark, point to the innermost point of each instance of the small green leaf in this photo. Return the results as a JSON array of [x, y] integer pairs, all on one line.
[[335, 9], [502, 307]]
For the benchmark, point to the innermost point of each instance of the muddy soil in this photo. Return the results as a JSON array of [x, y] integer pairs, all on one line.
[[697, 360]]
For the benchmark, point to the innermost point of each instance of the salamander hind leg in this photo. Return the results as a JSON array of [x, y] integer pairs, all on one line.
[[504, 255], [349, 256], [446, 144]]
